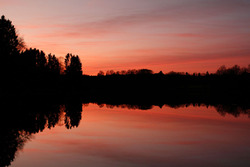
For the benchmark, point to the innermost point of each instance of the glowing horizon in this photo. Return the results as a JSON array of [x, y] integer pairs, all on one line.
[[162, 35]]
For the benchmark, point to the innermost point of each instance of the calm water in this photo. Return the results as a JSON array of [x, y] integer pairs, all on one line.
[[106, 137]]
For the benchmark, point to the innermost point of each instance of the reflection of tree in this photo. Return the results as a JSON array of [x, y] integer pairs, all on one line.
[[10, 142], [232, 109], [73, 114], [223, 109], [128, 106], [16, 128]]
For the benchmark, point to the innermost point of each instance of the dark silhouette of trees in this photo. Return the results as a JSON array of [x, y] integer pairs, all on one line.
[[101, 73], [10, 43], [145, 72], [73, 65], [30, 62], [235, 70], [53, 65], [10, 46], [36, 62], [73, 114], [110, 72], [222, 70], [41, 61], [128, 72]]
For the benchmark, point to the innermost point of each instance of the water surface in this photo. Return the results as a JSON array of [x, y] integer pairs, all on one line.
[[118, 136]]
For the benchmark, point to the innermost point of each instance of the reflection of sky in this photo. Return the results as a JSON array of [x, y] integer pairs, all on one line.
[[122, 137], [184, 35]]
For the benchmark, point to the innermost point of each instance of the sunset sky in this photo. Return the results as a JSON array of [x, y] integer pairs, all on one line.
[[179, 35]]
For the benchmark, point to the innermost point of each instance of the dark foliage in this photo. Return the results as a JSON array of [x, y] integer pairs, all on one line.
[[73, 66], [53, 65], [10, 45], [35, 62], [235, 70]]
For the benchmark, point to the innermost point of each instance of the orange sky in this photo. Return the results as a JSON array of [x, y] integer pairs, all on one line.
[[184, 35]]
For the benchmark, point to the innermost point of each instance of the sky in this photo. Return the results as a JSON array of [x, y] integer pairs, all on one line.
[[162, 35]]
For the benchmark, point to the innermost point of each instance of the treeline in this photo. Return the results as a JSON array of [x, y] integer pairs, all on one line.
[[227, 85], [124, 72], [223, 70], [37, 62], [17, 60], [235, 70], [222, 109]]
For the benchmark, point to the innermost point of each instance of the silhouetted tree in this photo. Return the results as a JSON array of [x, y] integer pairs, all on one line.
[[235, 70], [10, 45], [110, 72], [100, 73], [123, 72], [28, 62], [53, 65], [132, 72], [73, 114], [41, 61], [34, 61], [73, 65], [161, 73], [144, 72], [222, 70]]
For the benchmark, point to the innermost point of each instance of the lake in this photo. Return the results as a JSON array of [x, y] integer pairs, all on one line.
[[129, 136]]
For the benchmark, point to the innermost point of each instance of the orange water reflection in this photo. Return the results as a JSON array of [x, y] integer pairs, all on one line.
[[193, 136]]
